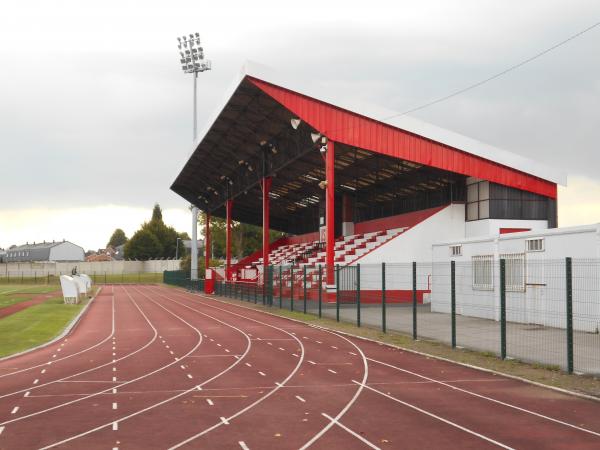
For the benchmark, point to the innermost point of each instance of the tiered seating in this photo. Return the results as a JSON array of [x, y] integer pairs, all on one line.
[[288, 254], [348, 249]]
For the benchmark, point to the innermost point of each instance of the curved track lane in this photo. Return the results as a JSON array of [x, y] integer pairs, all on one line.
[[261, 381]]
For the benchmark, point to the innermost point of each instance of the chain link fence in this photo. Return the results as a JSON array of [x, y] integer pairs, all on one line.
[[539, 311]]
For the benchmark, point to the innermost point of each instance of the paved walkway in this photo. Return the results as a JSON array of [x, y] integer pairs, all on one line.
[[526, 342]]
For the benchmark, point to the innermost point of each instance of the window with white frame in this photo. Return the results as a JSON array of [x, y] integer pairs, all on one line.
[[483, 272], [514, 271], [456, 250], [535, 245]]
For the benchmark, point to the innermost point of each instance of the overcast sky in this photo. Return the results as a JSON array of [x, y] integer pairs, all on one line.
[[95, 114]]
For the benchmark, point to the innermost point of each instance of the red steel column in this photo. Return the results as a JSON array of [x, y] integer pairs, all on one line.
[[207, 244], [266, 188], [330, 212], [229, 207]]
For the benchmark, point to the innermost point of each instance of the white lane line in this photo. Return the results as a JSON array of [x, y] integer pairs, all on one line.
[[61, 405], [36, 381], [356, 435], [58, 350], [352, 353], [218, 345], [348, 405], [262, 373], [54, 356], [189, 376], [331, 370], [115, 426], [114, 369], [209, 401], [224, 420], [318, 342], [87, 370], [435, 416], [243, 445], [311, 362], [282, 349], [27, 394], [114, 391], [199, 387], [182, 366], [114, 405], [43, 371], [227, 350], [269, 343], [293, 354], [301, 399], [14, 410], [171, 352], [334, 347], [68, 356], [518, 408], [248, 364], [1, 430], [261, 399]]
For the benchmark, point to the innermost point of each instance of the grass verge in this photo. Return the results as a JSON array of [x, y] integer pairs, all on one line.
[[17, 294], [546, 375], [36, 325]]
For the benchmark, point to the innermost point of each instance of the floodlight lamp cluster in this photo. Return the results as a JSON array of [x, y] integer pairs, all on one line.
[[192, 54], [318, 139]]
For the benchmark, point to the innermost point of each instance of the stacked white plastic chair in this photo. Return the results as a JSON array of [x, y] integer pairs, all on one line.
[[70, 289], [81, 284], [88, 281]]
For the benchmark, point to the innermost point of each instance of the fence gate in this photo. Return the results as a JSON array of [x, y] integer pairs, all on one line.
[[347, 284]]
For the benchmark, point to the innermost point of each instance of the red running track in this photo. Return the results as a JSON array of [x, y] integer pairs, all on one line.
[[156, 367]]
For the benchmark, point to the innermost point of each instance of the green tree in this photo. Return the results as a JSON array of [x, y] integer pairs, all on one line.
[[117, 238], [246, 239], [143, 245], [164, 243], [157, 213], [186, 263]]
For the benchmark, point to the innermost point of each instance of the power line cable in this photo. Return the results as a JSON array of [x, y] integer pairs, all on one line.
[[498, 75]]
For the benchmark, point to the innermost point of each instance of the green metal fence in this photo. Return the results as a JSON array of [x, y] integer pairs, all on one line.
[[53, 278], [181, 278], [540, 311]]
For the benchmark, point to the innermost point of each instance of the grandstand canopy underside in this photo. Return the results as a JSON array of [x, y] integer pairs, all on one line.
[[252, 137]]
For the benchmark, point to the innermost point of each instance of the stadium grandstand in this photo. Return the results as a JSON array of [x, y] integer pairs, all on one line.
[[350, 183]]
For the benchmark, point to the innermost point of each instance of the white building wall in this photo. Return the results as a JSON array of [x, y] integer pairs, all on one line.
[[67, 251], [414, 244], [97, 267], [491, 227], [543, 300]]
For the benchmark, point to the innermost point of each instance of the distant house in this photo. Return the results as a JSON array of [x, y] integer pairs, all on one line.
[[45, 251], [119, 252]]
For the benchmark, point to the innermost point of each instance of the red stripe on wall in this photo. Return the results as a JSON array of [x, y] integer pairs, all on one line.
[[356, 130], [513, 230]]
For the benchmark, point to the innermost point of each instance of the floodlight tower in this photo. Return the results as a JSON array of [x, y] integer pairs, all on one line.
[[192, 61]]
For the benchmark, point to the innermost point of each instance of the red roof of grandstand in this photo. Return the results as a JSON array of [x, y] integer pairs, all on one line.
[[378, 151]]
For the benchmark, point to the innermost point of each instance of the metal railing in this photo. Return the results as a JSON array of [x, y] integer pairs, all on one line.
[[539, 311], [53, 278]]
